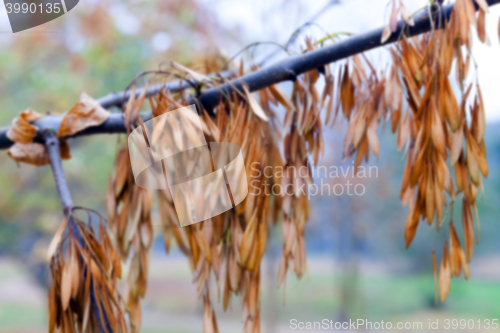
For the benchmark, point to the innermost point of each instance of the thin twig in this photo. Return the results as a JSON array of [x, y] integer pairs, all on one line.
[[52, 146]]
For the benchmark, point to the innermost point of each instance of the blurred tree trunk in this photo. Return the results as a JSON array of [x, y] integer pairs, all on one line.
[[270, 305], [347, 259]]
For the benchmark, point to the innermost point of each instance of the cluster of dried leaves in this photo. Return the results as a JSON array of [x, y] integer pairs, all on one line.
[[129, 214], [85, 113], [432, 126], [438, 136], [230, 246], [85, 268], [415, 94]]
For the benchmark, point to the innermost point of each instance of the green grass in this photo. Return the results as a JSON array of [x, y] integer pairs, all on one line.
[[171, 303]]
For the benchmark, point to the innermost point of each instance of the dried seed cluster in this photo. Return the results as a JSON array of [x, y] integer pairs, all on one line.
[[129, 215], [437, 134], [85, 268]]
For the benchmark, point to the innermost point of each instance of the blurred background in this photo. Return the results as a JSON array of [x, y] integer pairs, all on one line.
[[357, 263]]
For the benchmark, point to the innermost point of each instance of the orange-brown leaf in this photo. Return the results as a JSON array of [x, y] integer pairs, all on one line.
[[21, 130], [66, 286], [444, 275], [31, 153], [87, 112], [437, 132], [481, 26], [254, 105]]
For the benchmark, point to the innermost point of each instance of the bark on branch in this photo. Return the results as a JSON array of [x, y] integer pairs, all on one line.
[[52, 146]]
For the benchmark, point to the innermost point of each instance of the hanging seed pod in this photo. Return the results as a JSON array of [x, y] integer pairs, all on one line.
[[83, 293]]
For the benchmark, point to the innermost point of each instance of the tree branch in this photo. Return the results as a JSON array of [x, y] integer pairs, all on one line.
[[52, 146], [284, 70], [117, 98]]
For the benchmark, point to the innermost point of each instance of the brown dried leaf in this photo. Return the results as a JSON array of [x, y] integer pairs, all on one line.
[[122, 168], [21, 130], [457, 146], [481, 117], [472, 160], [437, 132], [247, 241], [66, 284], [254, 105], [87, 112], [52, 304], [75, 272], [481, 26], [208, 326], [468, 226], [459, 253], [30, 153], [371, 133], [56, 240], [444, 275], [281, 97]]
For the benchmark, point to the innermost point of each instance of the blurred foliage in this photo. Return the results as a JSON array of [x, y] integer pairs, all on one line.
[[99, 47]]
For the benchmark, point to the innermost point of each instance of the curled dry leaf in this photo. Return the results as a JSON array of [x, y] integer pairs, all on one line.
[[35, 153], [21, 130], [31, 153], [87, 112]]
